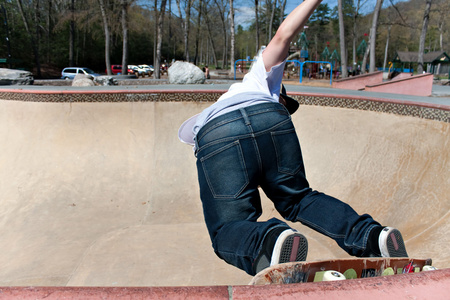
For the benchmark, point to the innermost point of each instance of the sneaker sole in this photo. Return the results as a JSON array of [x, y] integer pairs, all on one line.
[[292, 247], [395, 247]]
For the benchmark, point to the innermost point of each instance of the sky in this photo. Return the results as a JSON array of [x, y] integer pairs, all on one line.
[[245, 11]]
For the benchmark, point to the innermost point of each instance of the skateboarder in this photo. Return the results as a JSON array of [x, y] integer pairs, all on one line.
[[246, 140]]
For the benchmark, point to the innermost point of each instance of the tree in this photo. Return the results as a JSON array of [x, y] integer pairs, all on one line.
[[107, 36], [343, 47], [373, 35], [257, 26], [30, 35], [232, 36], [372, 39], [159, 39], [186, 24], [221, 6], [356, 8], [72, 33], [423, 34], [125, 4], [272, 16], [282, 9], [443, 12], [210, 34], [317, 29], [197, 36]]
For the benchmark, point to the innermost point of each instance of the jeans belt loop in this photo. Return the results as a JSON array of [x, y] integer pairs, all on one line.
[[245, 116]]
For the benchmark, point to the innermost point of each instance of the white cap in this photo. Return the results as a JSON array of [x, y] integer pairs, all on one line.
[[185, 133]]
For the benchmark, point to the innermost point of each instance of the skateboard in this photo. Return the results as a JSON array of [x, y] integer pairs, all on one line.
[[339, 269]]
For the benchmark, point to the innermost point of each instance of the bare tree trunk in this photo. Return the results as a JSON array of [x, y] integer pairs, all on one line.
[[125, 5], [30, 35], [197, 36], [159, 43], [364, 61], [37, 21], [8, 44], [343, 47], [107, 36], [282, 9], [211, 40], [355, 18], [272, 17], [72, 34], [423, 34], [373, 35], [186, 26], [155, 30], [232, 36], [257, 25], [49, 29], [224, 31], [387, 47]]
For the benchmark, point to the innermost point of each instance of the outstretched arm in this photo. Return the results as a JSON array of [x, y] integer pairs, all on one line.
[[276, 51]]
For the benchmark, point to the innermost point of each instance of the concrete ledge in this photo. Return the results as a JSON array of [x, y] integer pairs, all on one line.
[[402, 75], [418, 85], [358, 82], [438, 112], [424, 285]]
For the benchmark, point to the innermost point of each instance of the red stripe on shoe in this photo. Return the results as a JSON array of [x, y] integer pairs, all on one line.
[[394, 240], [294, 249]]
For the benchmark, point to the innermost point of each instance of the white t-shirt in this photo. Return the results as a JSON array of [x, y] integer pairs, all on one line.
[[258, 86]]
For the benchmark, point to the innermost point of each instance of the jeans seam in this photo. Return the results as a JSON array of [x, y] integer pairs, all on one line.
[[217, 125], [320, 229]]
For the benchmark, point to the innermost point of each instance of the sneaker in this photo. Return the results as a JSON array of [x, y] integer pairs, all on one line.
[[281, 245], [391, 243], [290, 246]]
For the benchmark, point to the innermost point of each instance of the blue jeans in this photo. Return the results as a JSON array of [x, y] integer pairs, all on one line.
[[258, 146]]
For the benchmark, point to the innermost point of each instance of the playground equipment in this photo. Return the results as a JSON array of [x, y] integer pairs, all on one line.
[[291, 61]]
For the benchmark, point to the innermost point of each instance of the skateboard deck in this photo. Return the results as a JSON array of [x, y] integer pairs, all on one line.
[[339, 269]]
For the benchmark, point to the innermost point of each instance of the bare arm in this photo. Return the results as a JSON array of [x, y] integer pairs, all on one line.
[[278, 47]]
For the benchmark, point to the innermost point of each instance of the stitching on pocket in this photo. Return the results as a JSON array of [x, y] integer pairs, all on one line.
[[229, 177], [288, 151]]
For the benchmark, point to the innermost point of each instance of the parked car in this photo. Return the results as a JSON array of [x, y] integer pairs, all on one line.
[[148, 69], [133, 69], [71, 72], [115, 69]]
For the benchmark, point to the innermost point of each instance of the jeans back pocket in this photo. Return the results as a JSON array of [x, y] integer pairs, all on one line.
[[225, 171], [288, 152]]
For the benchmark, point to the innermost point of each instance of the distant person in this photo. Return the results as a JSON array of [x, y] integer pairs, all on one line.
[[206, 70], [247, 140]]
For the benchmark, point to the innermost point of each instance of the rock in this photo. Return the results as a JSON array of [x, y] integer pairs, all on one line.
[[83, 80], [185, 73], [105, 80], [15, 77]]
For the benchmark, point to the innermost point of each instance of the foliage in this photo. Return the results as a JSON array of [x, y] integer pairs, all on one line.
[[50, 20]]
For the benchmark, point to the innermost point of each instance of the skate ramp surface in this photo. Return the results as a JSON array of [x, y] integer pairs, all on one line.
[[104, 194]]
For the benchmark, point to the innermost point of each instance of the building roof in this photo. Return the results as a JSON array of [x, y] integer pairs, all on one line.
[[430, 57]]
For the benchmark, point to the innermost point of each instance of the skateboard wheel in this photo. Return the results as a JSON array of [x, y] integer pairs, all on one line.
[[388, 271], [350, 274], [333, 275], [429, 268]]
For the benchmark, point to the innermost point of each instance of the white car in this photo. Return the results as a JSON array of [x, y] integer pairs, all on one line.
[[147, 69], [137, 70]]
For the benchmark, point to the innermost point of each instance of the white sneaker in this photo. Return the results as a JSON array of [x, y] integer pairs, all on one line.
[[391, 243], [290, 246]]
